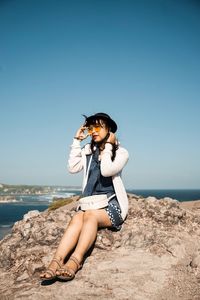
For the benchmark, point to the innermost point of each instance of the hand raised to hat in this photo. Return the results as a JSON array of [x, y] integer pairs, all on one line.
[[112, 138], [80, 134]]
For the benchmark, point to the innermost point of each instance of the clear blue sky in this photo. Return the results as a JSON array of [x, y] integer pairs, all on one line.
[[138, 61]]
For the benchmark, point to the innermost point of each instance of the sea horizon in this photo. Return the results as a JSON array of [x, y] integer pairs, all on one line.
[[177, 194]]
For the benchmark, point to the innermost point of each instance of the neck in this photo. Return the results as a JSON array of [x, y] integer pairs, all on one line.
[[101, 144]]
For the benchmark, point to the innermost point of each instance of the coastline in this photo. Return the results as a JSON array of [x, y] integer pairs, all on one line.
[[5, 231], [7, 199], [15, 201], [193, 205]]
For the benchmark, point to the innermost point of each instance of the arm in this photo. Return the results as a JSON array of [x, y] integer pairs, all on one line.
[[109, 167], [75, 162]]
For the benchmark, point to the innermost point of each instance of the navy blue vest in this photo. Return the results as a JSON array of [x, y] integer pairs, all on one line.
[[96, 183]]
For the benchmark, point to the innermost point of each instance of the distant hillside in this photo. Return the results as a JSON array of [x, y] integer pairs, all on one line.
[[32, 189], [3, 185]]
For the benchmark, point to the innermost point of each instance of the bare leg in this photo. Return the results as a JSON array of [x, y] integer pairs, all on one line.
[[91, 221], [87, 236], [71, 236], [67, 243]]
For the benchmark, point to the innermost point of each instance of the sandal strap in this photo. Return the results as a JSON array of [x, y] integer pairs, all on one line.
[[50, 272], [76, 261], [57, 261]]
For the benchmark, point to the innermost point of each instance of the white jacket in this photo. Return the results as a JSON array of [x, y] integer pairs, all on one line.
[[77, 162]]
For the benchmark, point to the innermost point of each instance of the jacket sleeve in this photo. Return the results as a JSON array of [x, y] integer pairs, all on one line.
[[75, 161], [109, 167]]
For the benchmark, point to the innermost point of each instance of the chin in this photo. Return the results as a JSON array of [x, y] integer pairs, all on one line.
[[97, 139]]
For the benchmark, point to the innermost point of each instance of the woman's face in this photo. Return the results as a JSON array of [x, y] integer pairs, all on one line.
[[98, 131]]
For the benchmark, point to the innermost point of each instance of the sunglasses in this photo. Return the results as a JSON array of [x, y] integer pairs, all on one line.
[[96, 128]]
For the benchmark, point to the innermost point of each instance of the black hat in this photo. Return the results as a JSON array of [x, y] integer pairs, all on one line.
[[107, 118]]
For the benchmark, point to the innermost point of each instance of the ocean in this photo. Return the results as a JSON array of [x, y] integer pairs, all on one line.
[[11, 212], [14, 211], [178, 194]]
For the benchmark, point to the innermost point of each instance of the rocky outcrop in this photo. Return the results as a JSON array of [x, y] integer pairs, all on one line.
[[155, 256]]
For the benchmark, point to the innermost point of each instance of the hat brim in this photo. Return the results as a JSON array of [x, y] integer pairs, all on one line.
[[113, 125], [111, 122]]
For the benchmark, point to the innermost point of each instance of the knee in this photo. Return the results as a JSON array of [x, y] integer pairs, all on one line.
[[89, 215], [77, 219]]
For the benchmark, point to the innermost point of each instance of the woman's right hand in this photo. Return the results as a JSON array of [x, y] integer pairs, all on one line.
[[80, 134]]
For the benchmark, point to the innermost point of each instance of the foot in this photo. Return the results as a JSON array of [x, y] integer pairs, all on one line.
[[50, 272], [68, 271]]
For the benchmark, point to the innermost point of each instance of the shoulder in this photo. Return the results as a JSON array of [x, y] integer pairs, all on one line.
[[86, 149], [122, 150]]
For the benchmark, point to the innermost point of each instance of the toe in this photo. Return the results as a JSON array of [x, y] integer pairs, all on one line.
[[43, 275], [67, 273]]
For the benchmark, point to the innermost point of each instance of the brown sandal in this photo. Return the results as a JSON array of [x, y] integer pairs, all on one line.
[[70, 272], [50, 271]]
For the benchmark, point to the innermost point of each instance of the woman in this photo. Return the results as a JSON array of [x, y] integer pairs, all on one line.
[[102, 161]]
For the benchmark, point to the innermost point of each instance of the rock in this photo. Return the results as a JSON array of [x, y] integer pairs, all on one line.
[[24, 276], [31, 214], [155, 255], [195, 263]]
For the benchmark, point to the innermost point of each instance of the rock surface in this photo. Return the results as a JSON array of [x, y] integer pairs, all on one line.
[[156, 255]]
